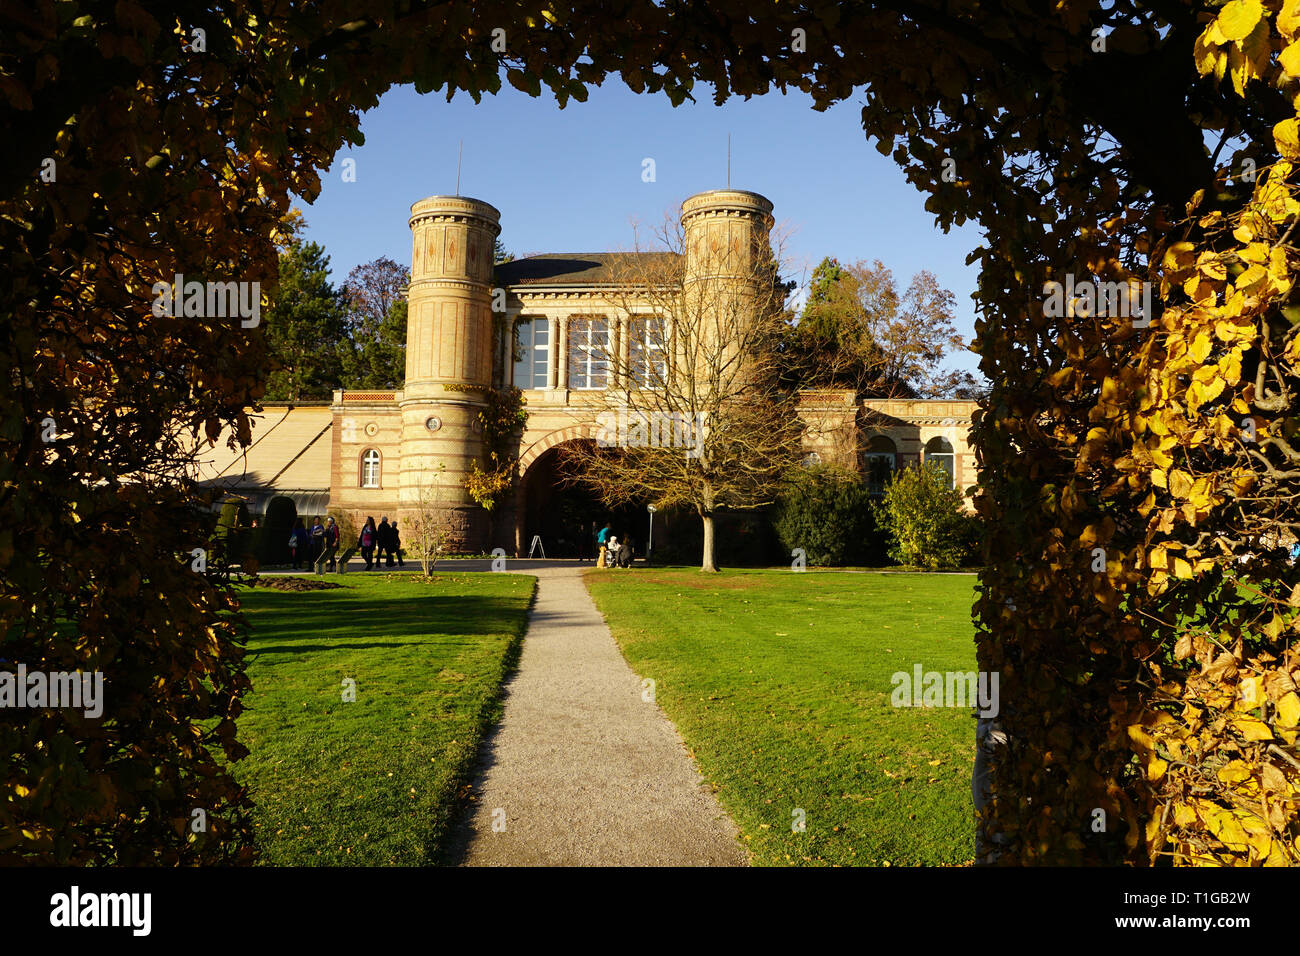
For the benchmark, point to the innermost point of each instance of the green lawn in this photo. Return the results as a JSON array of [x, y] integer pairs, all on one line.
[[372, 782], [779, 683]]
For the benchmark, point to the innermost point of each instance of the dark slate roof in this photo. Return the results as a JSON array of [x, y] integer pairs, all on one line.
[[573, 268]]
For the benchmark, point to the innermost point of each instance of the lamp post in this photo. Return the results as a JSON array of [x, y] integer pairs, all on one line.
[[650, 542]]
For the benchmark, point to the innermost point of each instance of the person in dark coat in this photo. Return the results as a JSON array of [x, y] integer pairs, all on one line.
[[331, 543], [366, 541], [299, 543], [625, 551], [395, 539], [317, 542], [385, 532]]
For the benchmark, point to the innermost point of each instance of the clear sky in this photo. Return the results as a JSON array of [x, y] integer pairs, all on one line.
[[570, 180]]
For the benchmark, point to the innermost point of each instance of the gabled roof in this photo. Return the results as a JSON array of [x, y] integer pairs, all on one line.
[[578, 268]]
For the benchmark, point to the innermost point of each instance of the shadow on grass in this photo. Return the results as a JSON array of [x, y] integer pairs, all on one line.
[[417, 615]]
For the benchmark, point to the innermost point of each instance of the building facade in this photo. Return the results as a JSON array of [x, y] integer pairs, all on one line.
[[540, 323]]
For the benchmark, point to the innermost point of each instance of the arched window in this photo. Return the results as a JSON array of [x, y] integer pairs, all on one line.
[[879, 462], [370, 468], [939, 451]]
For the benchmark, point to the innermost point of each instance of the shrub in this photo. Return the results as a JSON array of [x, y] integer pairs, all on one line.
[[232, 537], [280, 516], [925, 519], [827, 512], [349, 528]]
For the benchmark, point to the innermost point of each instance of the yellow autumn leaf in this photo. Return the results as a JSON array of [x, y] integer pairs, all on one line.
[[1230, 367], [1182, 569], [1156, 769], [1238, 18], [1286, 136], [1251, 277], [1288, 710], [1179, 255], [1288, 20], [1158, 558], [1211, 263], [1201, 346], [1234, 771], [1251, 728], [1224, 825], [1180, 483], [1139, 736]]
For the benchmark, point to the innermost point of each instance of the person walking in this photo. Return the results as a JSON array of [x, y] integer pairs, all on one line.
[[601, 537], [395, 539], [385, 541], [366, 542], [331, 544], [625, 552], [317, 541], [298, 544]]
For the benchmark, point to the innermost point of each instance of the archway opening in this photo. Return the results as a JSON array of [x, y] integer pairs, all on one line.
[[561, 509]]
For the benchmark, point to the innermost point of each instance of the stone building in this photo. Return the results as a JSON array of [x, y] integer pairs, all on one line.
[[387, 450]]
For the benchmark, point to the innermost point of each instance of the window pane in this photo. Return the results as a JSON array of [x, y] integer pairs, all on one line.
[[646, 352], [530, 370], [588, 353]]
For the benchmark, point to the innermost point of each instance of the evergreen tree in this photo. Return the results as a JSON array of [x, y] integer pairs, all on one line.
[[304, 326], [856, 331]]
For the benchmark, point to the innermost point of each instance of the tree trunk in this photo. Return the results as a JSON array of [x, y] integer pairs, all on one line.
[[708, 564]]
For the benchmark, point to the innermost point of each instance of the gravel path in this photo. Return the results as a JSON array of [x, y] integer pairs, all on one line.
[[581, 770]]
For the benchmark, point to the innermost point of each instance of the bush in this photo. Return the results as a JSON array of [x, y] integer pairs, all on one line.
[[925, 519], [827, 511], [232, 537], [349, 528], [280, 516]]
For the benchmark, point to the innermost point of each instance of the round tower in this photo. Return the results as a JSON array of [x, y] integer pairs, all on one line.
[[723, 230], [728, 251], [448, 347]]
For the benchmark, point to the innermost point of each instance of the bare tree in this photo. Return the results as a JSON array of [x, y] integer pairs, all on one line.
[[691, 409], [426, 524]]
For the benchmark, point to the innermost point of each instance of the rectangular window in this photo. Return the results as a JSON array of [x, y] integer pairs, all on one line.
[[646, 352], [534, 344], [588, 353]]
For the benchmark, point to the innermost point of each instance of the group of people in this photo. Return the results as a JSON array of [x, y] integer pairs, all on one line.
[[376, 542], [317, 548], [613, 551], [311, 547]]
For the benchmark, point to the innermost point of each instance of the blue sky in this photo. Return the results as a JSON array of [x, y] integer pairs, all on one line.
[[571, 180]]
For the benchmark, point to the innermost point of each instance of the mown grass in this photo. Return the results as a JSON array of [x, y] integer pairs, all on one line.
[[780, 684], [373, 782]]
